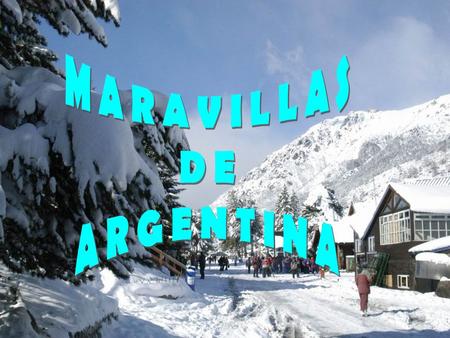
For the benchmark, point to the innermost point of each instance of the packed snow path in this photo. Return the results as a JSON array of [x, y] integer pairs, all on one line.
[[234, 304]]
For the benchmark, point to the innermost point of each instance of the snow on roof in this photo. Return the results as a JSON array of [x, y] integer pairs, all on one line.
[[430, 195], [436, 258], [425, 198], [436, 245], [360, 219], [343, 233]]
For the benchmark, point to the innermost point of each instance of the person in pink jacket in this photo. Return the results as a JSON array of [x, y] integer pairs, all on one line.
[[363, 280]]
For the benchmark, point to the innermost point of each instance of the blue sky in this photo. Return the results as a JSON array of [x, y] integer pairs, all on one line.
[[399, 53]]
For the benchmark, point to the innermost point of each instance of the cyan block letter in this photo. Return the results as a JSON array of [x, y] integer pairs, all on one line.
[[286, 113], [246, 215], [175, 112], [110, 101], [143, 102], [209, 113], [326, 250], [297, 235], [317, 97], [344, 85], [188, 159], [181, 224], [147, 238], [117, 230], [236, 111], [258, 118], [211, 222], [224, 170], [269, 234], [78, 86], [87, 250]]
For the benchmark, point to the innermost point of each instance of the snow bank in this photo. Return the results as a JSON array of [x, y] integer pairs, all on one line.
[[57, 308], [432, 257], [143, 281], [436, 245]]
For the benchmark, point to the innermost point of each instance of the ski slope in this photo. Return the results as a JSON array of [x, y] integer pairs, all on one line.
[[234, 304]]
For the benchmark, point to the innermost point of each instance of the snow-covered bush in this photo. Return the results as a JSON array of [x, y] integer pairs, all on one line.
[[61, 167], [20, 39]]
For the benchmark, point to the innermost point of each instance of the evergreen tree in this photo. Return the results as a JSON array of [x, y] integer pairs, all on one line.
[[334, 203], [295, 205], [61, 168], [282, 206], [233, 224], [21, 41], [313, 213]]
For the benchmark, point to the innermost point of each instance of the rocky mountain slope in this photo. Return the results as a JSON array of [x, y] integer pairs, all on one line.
[[356, 156]]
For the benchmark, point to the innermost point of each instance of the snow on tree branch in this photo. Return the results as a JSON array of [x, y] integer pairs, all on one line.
[[61, 167]]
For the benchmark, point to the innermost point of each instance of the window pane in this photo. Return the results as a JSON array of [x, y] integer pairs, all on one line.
[[419, 235], [426, 225], [434, 225], [418, 225]]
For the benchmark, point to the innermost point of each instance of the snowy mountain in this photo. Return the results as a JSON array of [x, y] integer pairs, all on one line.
[[355, 156]]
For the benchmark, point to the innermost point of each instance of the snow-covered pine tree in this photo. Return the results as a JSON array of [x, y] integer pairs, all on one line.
[[197, 244], [61, 168], [313, 213], [173, 190], [232, 241], [22, 43], [334, 203], [295, 204], [282, 206]]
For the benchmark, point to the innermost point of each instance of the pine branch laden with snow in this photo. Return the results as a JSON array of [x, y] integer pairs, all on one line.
[[20, 38], [61, 168]]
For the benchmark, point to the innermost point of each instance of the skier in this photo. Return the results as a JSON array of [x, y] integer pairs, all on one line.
[[202, 263], [227, 263], [363, 280]]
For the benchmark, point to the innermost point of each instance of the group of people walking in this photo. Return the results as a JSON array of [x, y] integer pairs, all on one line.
[[268, 265]]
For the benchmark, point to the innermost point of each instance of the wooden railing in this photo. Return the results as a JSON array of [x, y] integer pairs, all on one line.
[[163, 259]]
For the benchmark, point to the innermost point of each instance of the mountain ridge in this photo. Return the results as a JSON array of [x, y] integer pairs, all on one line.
[[356, 155]]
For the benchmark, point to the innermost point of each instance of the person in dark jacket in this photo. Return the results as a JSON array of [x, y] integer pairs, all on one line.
[[202, 263], [295, 267], [363, 280], [256, 262], [248, 263]]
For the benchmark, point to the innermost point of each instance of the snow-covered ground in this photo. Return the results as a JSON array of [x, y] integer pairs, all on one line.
[[234, 304], [225, 304]]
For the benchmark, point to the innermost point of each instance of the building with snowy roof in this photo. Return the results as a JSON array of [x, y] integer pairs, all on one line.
[[406, 217]]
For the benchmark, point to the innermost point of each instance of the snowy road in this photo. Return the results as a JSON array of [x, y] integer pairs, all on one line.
[[234, 304]]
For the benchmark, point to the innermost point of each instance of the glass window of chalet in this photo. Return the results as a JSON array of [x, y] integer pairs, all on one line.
[[371, 244], [394, 222], [431, 226], [395, 228]]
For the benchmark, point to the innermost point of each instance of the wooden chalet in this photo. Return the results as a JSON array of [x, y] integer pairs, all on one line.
[[406, 216]]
